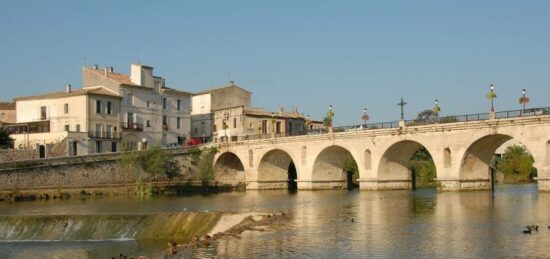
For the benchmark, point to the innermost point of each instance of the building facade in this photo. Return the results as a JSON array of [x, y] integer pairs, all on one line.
[[151, 113], [74, 122], [204, 104], [7, 113]]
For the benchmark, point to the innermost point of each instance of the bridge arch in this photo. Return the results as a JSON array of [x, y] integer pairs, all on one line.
[[476, 160], [395, 167], [229, 168], [328, 167], [277, 170]]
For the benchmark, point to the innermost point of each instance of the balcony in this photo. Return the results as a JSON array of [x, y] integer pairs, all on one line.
[[132, 126], [103, 135]]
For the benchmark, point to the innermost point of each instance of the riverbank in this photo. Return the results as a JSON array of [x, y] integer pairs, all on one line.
[[147, 189], [228, 226]]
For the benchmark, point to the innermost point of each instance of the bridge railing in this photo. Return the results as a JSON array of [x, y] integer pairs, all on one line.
[[449, 119]]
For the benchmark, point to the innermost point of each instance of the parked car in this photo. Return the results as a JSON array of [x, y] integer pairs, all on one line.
[[194, 141]]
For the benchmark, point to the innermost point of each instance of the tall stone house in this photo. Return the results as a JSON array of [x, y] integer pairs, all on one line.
[[7, 113], [151, 112], [72, 122]]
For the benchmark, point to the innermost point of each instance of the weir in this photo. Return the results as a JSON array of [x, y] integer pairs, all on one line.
[[180, 227]]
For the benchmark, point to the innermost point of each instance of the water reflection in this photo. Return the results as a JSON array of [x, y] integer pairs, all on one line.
[[338, 224]]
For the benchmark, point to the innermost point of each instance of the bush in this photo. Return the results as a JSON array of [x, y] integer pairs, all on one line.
[[516, 164], [205, 164], [154, 161]]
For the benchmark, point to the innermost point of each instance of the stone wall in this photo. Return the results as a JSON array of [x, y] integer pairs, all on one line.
[[17, 154], [81, 172]]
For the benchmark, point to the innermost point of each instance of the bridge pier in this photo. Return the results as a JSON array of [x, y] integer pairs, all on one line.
[[267, 185], [463, 185], [544, 184], [321, 184], [374, 184]]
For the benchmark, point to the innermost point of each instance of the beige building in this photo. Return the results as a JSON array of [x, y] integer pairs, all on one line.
[[241, 123], [204, 104], [150, 112], [74, 122], [7, 113]]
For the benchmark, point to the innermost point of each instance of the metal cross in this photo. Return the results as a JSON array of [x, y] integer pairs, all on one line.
[[402, 104]]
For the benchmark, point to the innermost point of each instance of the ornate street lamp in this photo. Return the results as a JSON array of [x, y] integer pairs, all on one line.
[[365, 117], [436, 108], [491, 96], [523, 100], [328, 118]]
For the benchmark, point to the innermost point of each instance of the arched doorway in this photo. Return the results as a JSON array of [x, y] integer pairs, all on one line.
[[229, 169], [277, 171], [335, 167], [407, 165]]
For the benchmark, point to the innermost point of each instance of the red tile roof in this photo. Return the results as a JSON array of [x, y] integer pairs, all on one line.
[[7, 106], [85, 91]]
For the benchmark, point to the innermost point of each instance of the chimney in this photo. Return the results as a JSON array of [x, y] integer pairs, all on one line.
[[281, 110], [96, 67], [111, 69], [68, 88], [105, 70]]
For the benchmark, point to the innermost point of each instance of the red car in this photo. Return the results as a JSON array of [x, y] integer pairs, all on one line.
[[194, 141]]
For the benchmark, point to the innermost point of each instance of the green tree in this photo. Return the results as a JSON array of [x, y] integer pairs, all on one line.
[[424, 167], [206, 164], [516, 164], [5, 140], [351, 166], [158, 162]]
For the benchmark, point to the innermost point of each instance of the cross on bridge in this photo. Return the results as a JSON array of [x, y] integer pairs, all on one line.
[[402, 104]]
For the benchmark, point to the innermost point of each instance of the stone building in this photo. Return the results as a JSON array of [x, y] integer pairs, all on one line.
[[151, 113], [241, 123], [204, 104], [73, 122], [7, 113]]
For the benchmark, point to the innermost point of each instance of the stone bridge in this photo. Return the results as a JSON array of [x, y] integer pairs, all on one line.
[[461, 151]]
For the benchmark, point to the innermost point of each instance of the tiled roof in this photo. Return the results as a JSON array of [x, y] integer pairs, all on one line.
[[176, 91], [121, 78], [99, 90], [7, 106], [220, 88], [263, 113]]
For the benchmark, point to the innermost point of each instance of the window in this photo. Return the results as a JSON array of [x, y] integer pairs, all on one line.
[[98, 106], [264, 126], [148, 104], [77, 127], [66, 108], [164, 120], [2, 116], [234, 123], [148, 124], [130, 118], [178, 105], [109, 108], [66, 127], [43, 112], [164, 101], [113, 147], [130, 100], [178, 123], [98, 148]]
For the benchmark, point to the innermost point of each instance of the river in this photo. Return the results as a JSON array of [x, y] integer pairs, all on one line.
[[328, 224]]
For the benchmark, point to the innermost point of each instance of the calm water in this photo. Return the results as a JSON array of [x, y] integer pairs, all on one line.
[[389, 224]]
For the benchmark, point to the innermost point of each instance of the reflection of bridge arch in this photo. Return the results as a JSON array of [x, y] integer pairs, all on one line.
[[229, 168], [328, 167], [277, 170], [395, 163]]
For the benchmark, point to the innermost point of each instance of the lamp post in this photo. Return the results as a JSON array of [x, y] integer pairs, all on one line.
[[273, 122], [523, 100], [308, 122], [491, 96], [365, 117]]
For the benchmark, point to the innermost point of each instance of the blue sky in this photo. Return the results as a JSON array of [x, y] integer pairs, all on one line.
[[308, 54]]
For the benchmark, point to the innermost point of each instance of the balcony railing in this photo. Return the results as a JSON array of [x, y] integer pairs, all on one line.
[[104, 135], [131, 126]]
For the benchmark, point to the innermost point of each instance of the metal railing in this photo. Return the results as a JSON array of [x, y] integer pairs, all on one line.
[[449, 119], [131, 126], [104, 135]]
